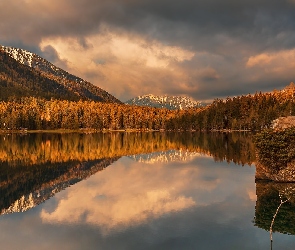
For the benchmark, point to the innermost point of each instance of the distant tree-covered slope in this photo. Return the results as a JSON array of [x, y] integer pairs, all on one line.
[[35, 76], [246, 112]]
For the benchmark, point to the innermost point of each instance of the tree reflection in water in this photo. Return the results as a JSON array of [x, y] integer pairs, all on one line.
[[36, 166], [275, 207]]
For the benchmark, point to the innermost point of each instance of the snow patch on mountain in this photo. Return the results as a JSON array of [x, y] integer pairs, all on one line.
[[23, 56], [165, 101], [33, 60]]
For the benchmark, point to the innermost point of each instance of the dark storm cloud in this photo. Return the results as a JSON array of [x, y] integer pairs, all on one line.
[[222, 34], [194, 24], [203, 24]]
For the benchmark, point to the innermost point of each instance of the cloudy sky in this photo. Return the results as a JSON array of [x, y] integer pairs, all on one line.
[[205, 49]]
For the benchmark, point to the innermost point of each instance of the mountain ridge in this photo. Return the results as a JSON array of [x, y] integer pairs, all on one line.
[[164, 101], [76, 86]]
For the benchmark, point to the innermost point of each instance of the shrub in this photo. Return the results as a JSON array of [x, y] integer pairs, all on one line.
[[275, 148]]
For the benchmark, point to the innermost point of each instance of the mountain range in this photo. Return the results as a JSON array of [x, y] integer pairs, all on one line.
[[23, 73], [164, 101]]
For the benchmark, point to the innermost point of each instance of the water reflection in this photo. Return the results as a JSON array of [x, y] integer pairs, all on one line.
[[35, 149], [35, 167], [196, 204], [275, 201], [125, 195], [165, 156], [193, 196], [25, 187]]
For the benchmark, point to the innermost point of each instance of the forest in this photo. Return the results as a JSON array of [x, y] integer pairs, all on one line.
[[36, 113], [244, 113]]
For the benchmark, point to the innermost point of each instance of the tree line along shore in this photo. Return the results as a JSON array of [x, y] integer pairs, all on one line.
[[243, 113]]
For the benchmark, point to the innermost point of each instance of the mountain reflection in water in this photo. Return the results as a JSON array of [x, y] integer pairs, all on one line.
[[35, 167], [165, 156], [134, 191]]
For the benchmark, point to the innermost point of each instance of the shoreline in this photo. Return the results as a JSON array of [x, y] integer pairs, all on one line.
[[91, 131], [69, 131]]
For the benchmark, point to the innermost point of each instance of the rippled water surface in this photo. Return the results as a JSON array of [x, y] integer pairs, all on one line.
[[138, 191]]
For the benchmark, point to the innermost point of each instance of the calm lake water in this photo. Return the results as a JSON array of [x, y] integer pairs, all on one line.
[[138, 191]]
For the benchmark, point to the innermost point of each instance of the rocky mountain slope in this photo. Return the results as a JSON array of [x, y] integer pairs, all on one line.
[[169, 102], [38, 75]]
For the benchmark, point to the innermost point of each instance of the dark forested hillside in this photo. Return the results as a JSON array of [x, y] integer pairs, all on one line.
[[18, 80], [39, 78]]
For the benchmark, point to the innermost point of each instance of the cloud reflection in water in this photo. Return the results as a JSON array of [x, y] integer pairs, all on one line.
[[129, 193]]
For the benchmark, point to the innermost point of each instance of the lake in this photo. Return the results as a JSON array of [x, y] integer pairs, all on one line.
[[147, 190]]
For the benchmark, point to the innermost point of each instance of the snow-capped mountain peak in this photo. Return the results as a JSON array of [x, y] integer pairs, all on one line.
[[164, 101]]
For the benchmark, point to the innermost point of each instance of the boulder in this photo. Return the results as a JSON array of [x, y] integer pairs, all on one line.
[[283, 122]]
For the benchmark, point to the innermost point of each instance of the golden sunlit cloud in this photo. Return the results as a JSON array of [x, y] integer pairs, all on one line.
[[121, 64], [259, 59], [154, 55], [279, 65], [275, 61], [124, 50]]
